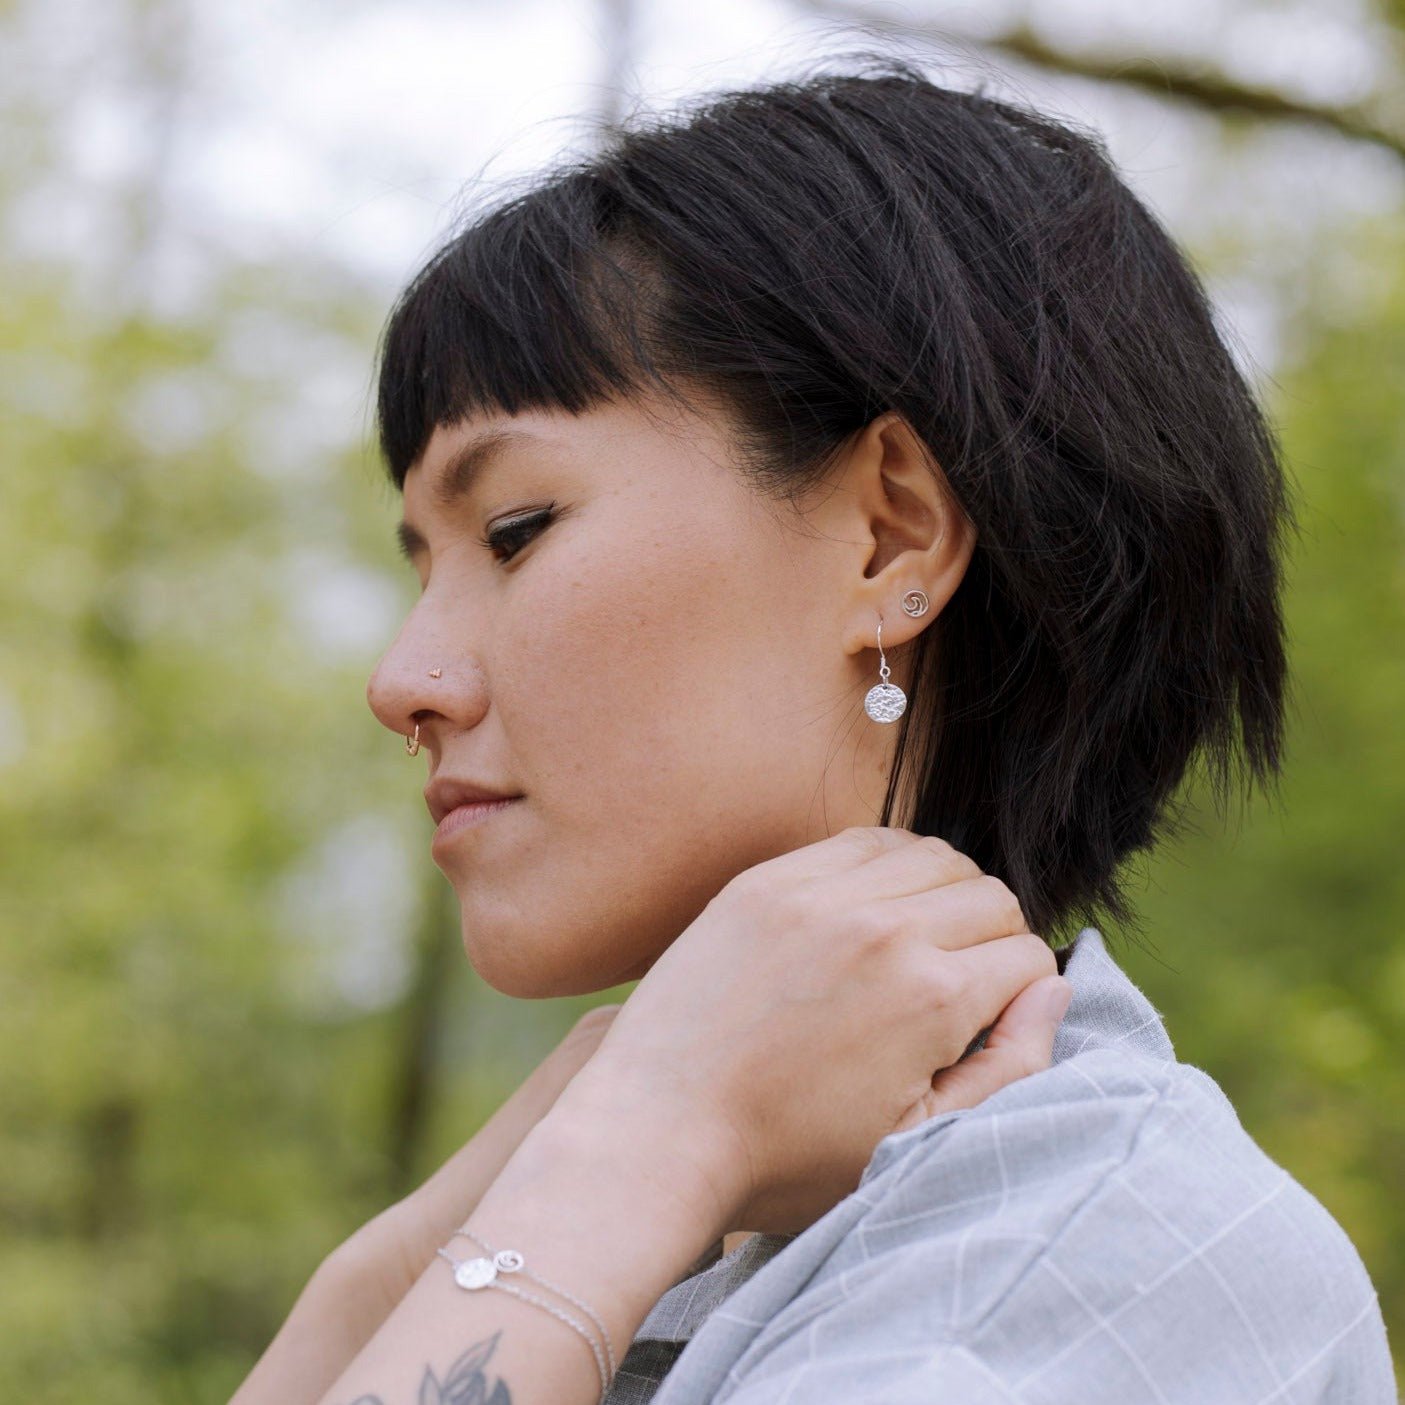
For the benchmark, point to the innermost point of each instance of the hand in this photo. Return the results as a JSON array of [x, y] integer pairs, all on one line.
[[817, 1004], [366, 1276]]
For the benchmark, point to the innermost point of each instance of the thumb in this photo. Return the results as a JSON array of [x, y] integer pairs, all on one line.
[[1020, 1042]]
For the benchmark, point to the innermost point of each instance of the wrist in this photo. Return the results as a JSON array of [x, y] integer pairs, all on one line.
[[695, 1161], [589, 1204]]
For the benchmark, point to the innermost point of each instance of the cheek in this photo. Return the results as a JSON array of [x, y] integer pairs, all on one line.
[[641, 689], [607, 661], [650, 717], [633, 620]]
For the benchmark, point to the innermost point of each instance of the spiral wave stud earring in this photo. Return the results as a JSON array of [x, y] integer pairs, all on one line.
[[885, 701], [915, 603]]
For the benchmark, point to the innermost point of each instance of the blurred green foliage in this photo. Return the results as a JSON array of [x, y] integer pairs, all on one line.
[[221, 1052], [1270, 944]]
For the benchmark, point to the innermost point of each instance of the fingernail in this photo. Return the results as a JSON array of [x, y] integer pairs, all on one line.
[[1058, 995]]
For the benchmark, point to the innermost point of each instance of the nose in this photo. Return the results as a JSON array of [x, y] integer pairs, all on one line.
[[403, 689]]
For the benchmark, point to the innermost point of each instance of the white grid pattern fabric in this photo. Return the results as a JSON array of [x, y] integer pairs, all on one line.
[[1104, 1232]]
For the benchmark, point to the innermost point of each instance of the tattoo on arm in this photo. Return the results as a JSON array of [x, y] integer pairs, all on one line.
[[464, 1383]]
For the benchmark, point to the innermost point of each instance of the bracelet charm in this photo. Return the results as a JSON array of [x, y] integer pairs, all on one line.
[[475, 1273], [479, 1272]]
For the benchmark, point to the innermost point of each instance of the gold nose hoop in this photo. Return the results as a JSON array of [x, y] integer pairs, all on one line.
[[412, 744]]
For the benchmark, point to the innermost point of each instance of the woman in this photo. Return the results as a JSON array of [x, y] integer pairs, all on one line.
[[839, 527]]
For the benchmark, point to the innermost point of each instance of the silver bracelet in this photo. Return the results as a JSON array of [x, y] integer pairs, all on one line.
[[473, 1274], [555, 1288]]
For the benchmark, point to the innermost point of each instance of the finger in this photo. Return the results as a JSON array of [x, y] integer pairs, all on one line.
[[1021, 1043], [594, 1022], [838, 853], [961, 913], [976, 983], [1027, 1025], [921, 864]]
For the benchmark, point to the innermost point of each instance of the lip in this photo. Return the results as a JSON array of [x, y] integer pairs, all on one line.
[[468, 816], [446, 793]]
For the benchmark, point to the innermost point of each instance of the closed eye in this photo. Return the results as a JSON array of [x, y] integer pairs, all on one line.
[[513, 535]]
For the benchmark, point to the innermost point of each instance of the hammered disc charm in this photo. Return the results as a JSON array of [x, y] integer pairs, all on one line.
[[475, 1273], [885, 702]]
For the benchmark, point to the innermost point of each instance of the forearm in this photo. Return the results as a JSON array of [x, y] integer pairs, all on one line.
[[362, 1280], [327, 1326], [607, 1213]]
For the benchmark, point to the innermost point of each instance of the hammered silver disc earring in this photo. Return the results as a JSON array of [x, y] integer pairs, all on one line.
[[885, 701]]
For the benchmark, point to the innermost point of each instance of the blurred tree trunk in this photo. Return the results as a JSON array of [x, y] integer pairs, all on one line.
[[417, 1074], [108, 1203], [618, 17]]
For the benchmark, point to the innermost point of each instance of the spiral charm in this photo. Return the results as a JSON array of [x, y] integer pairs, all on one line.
[[885, 702], [915, 603]]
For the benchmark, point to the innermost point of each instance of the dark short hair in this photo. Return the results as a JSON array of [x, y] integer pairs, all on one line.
[[809, 254]]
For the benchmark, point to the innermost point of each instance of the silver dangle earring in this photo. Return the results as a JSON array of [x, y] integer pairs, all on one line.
[[885, 701]]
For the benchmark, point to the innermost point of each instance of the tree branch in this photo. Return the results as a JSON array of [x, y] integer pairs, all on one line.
[[1162, 77]]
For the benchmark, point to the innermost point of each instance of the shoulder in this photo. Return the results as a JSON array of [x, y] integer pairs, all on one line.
[[1112, 1215], [1104, 1230]]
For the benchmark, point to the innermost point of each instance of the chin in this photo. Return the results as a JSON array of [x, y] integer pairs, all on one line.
[[530, 971]]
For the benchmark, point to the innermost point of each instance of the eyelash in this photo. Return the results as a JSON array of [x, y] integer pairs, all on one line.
[[537, 522]]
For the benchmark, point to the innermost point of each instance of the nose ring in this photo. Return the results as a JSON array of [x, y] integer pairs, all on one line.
[[412, 744]]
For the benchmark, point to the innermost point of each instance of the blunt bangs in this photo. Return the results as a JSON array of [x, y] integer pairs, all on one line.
[[524, 310]]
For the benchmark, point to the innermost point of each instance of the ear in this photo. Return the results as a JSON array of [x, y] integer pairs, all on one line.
[[908, 532]]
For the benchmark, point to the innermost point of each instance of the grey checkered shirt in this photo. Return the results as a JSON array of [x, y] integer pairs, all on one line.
[[1104, 1232]]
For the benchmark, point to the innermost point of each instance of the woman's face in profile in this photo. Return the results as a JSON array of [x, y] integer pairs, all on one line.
[[668, 669]]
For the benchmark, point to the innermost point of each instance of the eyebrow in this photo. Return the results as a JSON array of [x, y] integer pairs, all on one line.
[[466, 465]]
